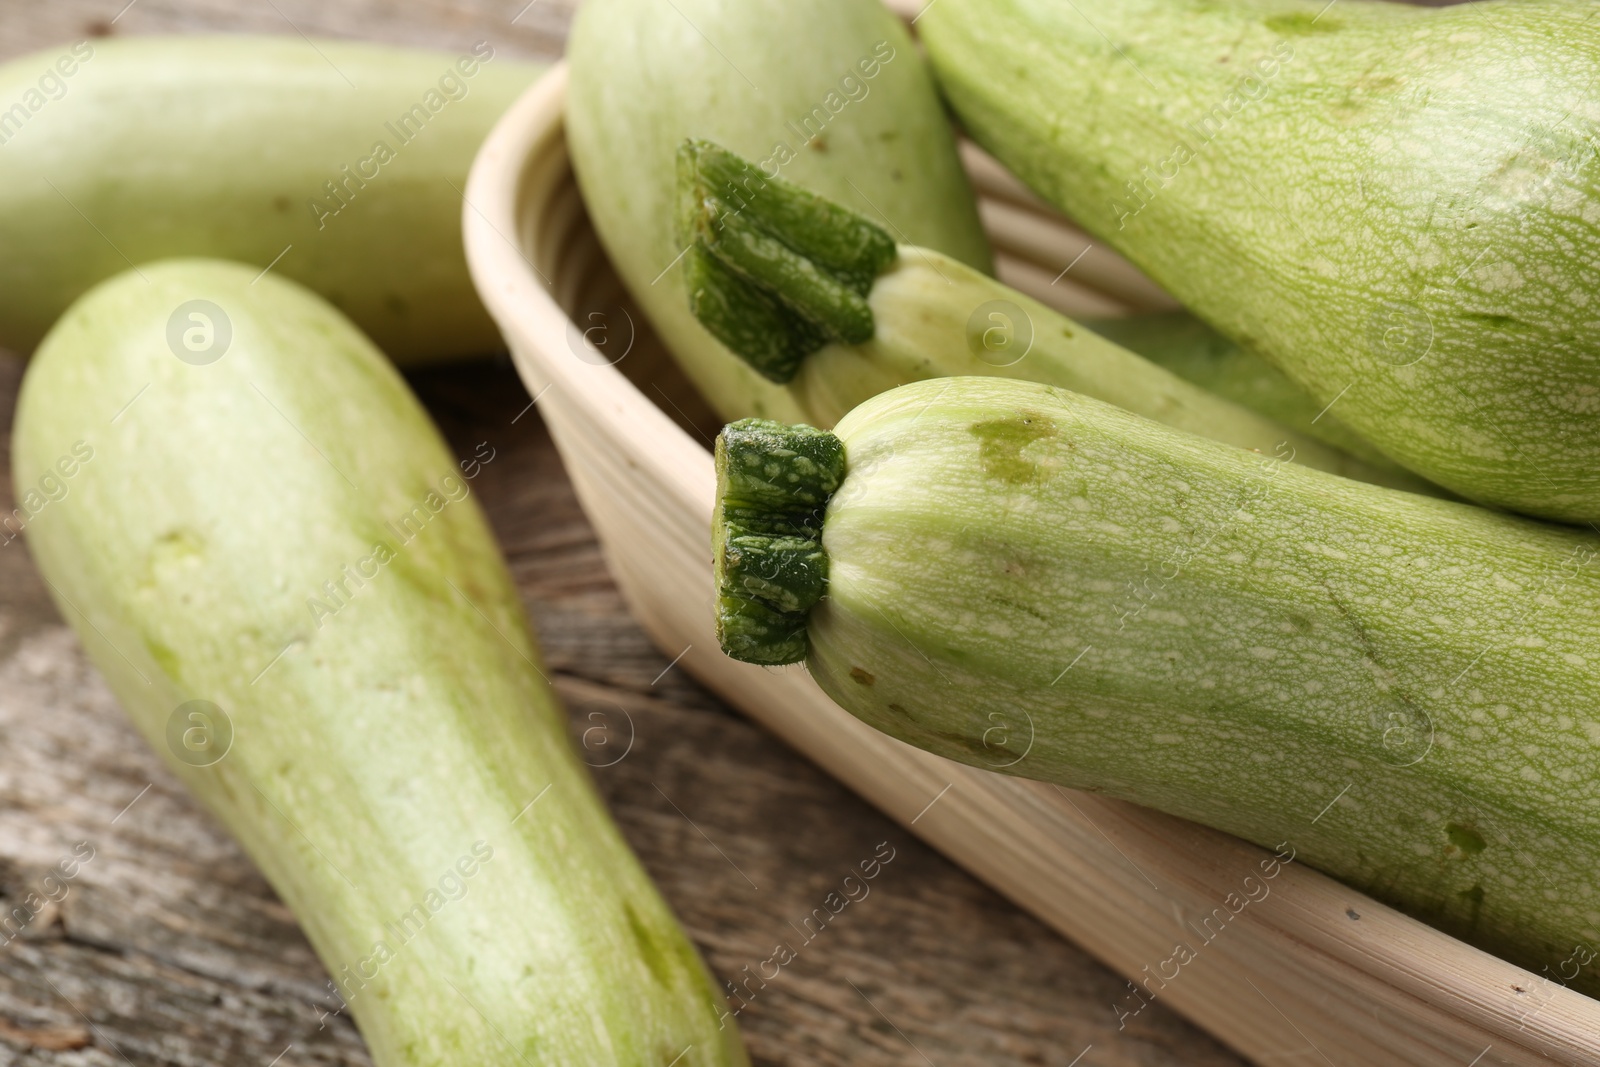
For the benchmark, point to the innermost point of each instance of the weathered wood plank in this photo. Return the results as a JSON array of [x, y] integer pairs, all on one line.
[[168, 947]]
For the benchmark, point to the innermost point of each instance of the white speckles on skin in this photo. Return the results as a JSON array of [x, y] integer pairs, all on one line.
[[1495, 126], [1499, 277], [1584, 400]]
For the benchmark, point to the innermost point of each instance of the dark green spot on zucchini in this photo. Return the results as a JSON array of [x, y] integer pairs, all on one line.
[[1001, 443], [1466, 840]]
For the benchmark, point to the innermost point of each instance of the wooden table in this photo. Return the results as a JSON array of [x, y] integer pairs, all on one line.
[[170, 947]]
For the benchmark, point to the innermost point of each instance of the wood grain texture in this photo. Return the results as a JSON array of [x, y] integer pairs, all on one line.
[[169, 948]]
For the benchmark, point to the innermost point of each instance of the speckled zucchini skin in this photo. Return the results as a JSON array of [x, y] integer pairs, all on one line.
[[281, 532], [1196, 353], [1399, 206], [1405, 688]]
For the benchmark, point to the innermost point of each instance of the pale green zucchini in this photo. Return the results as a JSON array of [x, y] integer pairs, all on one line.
[[1403, 688], [270, 524], [1394, 204], [819, 298], [1196, 353], [830, 93], [339, 163]]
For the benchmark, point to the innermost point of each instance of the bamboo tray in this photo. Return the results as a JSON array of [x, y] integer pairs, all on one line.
[[1313, 971]]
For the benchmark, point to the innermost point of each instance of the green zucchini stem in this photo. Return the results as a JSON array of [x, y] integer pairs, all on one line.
[[773, 487], [774, 272]]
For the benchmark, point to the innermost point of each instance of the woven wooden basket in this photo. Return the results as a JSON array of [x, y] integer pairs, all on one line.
[[1315, 971]]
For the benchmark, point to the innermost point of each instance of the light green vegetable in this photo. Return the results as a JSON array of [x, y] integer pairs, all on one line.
[[341, 164], [1402, 688], [831, 93], [278, 567], [1196, 353], [1396, 205], [818, 298]]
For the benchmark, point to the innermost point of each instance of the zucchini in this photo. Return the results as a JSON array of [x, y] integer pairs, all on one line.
[[818, 298], [278, 567], [339, 163], [1031, 581], [1196, 353], [830, 93], [1394, 204]]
